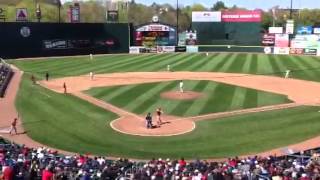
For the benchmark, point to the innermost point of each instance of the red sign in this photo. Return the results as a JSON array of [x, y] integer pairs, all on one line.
[[296, 51], [241, 16]]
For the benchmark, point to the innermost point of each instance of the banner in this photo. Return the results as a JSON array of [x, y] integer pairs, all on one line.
[[281, 50], [155, 27], [21, 14], [281, 40], [311, 41], [180, 49], [75, 13], [268, 50], [311, 52], [316, 30], [304, 30], [3, 14], [268, 39], [318, 52], [206, 16], [241, 16], [134, 49], [275, 30], [168, 49], [112, 16], [290, 27], [192, 49], [191, 38], [296, 51]]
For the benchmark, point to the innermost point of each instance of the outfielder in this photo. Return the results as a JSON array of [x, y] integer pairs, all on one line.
[[287, 74]]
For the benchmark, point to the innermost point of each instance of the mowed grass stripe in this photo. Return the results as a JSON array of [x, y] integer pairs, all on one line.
[[100, 65], [311, 69], [184, 65], [217, 66], [183, 106], [203, 62], [122, 63], [213, 63], [208, 88], [127, 96], [162, 65], [221, 99], [264, 66], [296, 67], [116, 63], [151, 104], [226, 66], [150, 91], [186, 59], [152, 62], [237, 63], [276, 71], [253, 65], [239, 94], [251, 98]]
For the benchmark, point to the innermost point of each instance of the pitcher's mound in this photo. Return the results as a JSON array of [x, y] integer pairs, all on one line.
[[177, 95]]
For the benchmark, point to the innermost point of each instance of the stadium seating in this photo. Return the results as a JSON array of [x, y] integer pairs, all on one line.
[[6, 74], [20, 162]]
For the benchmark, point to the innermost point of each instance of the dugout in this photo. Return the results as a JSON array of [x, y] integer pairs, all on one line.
[[29, 39]]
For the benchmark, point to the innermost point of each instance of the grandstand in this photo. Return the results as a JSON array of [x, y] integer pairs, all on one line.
[[6, 74]]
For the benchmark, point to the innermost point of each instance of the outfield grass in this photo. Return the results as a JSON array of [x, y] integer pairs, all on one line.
[[217, 97], [68, 123]]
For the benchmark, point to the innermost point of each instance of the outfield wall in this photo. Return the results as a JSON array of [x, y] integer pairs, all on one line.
[[18, 40]]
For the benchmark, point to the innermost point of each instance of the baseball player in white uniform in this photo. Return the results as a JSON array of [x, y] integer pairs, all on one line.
[[91, 75], [181, 86], [287, 74]]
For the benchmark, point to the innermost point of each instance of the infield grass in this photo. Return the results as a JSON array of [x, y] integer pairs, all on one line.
[[217, 97]]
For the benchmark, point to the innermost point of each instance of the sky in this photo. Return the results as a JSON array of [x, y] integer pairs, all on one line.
[[250, 4]]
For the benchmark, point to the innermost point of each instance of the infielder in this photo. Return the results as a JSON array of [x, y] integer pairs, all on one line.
[[287, 74], [91, 75], [181, 86], [168, 67]]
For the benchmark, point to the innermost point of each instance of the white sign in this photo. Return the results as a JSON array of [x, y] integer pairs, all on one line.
[[134, 50], [316, 30], [206, 16], [267, 50], [155, 27], [168, 49], [290, 27], [318, 52], [275, 30], [21, 14], [281, 50]]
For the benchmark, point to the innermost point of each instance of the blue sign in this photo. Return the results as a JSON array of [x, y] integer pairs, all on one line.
[[304, 30]]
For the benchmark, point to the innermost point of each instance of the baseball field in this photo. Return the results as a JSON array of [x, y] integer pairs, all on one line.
[[243, 105]]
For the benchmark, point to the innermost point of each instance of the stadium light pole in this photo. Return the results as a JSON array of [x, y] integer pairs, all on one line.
[[290, 9], [177, 22]]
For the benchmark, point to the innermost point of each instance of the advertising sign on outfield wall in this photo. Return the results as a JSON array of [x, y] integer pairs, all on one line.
[[206, 16], [241, 16], [192, 49], [281, 50], [296, 51], [165, 49], [311, 52], [275, 30], [282, 40], [134, 49], [316, 30], [318, 52]]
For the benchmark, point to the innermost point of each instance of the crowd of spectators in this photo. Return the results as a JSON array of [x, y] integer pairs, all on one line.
[[5, 76], [20, 162]]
